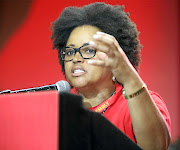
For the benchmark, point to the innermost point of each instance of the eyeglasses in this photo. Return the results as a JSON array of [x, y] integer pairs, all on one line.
[[86, 52]]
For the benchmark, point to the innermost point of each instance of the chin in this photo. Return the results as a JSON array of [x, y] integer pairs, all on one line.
[[78, 83]]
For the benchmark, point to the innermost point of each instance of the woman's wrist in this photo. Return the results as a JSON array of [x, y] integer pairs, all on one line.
[[138, 92], [133, 84]]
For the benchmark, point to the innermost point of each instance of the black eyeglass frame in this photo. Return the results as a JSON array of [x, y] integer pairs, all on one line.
[[76, 50]]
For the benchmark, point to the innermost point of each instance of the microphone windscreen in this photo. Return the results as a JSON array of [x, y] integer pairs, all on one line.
[[63, 86]]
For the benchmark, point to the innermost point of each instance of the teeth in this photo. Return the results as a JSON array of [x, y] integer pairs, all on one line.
[[78, 70]]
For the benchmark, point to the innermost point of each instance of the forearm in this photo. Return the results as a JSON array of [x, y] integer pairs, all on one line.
[[149, 126]]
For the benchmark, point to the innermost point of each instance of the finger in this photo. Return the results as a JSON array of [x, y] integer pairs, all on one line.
[[109, 41], [98, 63], [104, 36], [104, 49], [107, 35], [99, 47], [102, 56]]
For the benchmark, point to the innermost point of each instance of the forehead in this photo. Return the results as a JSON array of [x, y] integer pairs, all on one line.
[[82, 34]]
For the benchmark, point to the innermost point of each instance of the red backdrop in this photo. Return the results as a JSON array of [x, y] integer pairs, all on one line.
[[27, 58]]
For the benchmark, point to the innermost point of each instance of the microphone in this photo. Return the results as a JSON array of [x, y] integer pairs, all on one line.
[[61, 86]]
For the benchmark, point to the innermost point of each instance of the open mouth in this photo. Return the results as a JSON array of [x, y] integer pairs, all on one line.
[[77, 71]]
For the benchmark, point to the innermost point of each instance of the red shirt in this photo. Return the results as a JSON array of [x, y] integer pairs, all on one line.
[[118, 112]]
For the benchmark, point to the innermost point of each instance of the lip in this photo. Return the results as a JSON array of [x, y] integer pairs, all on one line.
[[79, 73]]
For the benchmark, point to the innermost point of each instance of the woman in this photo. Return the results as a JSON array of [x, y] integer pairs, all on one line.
[[99, 52]]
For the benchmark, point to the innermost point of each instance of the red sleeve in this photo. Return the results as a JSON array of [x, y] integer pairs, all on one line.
[[162, 107]]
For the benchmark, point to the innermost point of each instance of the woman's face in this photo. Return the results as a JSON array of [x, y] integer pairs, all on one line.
[[78, 72]]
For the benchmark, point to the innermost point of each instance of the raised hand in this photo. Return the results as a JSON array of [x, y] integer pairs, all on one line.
[[112, 55]]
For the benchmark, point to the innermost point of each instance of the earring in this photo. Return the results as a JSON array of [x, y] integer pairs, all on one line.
[[114, 78]]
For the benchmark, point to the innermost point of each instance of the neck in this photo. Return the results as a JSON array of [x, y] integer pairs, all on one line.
[[93, 96]]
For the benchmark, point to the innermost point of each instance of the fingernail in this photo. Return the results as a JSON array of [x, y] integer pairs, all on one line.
[[90, 61], [96, 36], [98, 32], [92, 43]]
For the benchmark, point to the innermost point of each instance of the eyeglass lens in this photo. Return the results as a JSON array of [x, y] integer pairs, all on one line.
[[86, 52]]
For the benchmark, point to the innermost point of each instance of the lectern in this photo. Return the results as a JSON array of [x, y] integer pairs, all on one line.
[[51, 121]]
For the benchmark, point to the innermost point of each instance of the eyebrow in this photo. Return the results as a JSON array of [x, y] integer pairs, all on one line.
[[72, 45]]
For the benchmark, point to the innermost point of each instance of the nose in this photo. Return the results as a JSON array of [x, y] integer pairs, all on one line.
[[77, 58]]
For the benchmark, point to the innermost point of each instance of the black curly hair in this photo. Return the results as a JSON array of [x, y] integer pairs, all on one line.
[[109, 19]]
